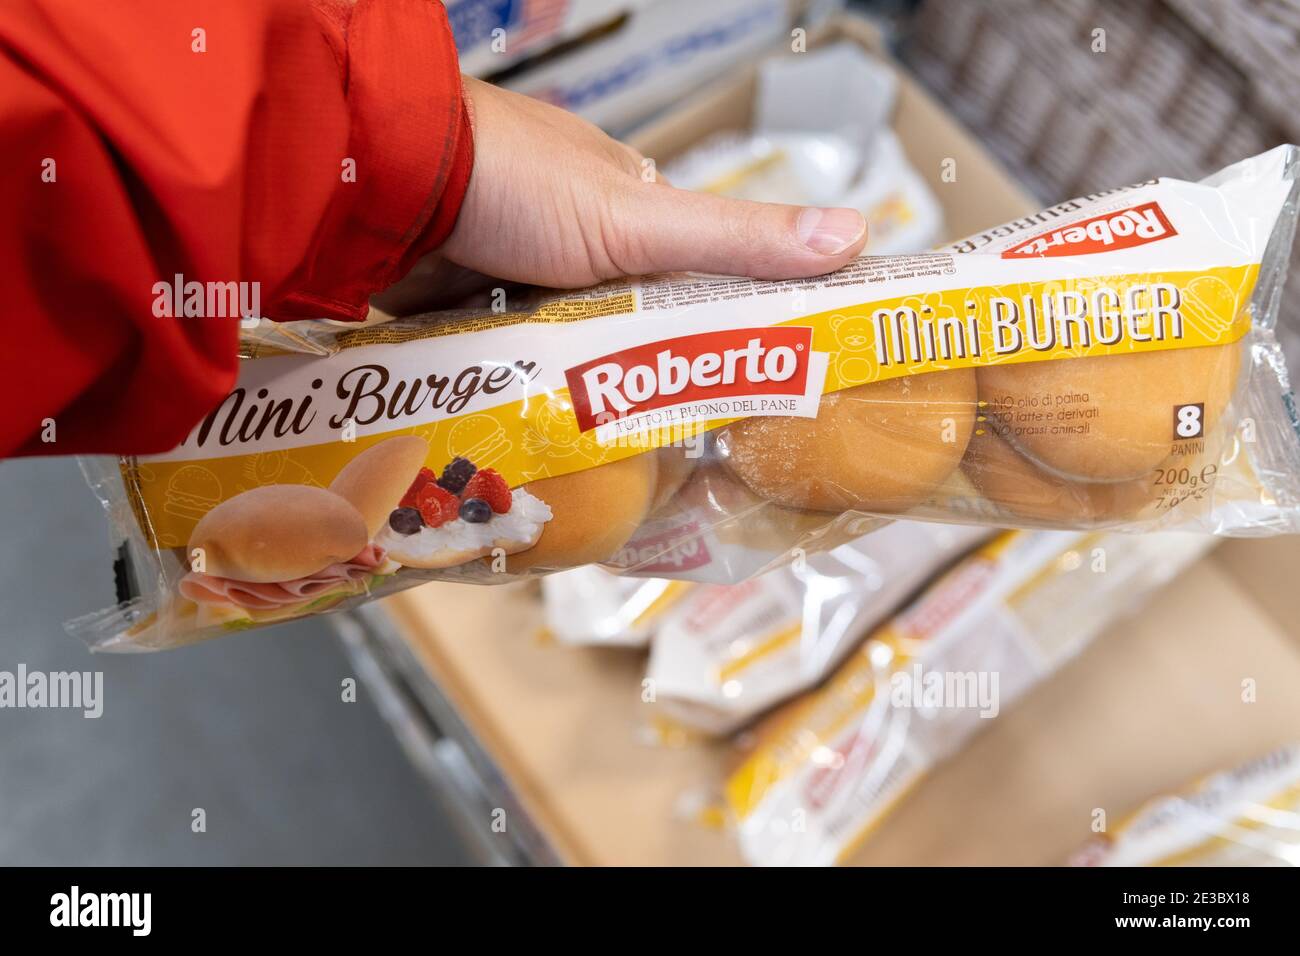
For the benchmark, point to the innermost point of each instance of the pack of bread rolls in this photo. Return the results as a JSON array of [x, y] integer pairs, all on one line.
[[1246, 816], [822, 773], [592, 607], [1107, 363], [722, 654]]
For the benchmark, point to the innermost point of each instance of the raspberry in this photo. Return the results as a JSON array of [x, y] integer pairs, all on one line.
[[411, 498], [488, 484], [456, 474], [437, 505]]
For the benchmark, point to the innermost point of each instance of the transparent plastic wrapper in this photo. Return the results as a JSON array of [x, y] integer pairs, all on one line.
[[826, 769], [811, 169], [592, 607], [809, 149], [1106, 363], [1247, 816], [806, 169], [724, 653]]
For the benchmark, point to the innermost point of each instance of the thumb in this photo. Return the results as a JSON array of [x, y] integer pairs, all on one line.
[[674, 230]]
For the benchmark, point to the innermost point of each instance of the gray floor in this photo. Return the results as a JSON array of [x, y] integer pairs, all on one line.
[[250, 728]]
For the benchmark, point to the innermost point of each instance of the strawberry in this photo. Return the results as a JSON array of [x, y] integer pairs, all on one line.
[[437, 505], [488, 484], [411, 498]]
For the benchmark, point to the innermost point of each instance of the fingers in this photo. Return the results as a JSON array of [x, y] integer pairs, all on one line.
[[669, 230], [637, 165]]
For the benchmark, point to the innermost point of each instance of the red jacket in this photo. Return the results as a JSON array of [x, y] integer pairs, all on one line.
[[209, 139]]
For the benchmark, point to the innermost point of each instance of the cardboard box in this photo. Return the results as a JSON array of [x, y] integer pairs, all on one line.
[[662, 52], [492, 35], [1159, 700]]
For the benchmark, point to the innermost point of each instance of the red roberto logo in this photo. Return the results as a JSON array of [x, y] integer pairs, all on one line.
[[710, 367], [1122, 229]]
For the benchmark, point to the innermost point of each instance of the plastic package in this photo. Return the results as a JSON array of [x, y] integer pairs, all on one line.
[[1107, 363], [809, 149], [721, 654], [1248, 816], [590, 606], [826, 769], [724, 653], [811, 169]]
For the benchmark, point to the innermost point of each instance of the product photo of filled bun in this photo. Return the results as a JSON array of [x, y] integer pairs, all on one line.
[[276, 552], [442, 520], [375, 480]]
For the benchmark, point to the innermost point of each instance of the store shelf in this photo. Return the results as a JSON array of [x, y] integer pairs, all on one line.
[[1153, 703]]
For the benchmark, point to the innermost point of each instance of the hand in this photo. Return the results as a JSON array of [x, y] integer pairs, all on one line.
[[553, 201]]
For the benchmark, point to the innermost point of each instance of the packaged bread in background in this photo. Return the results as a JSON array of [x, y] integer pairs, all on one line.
[[809, 149], [591, 606], [826, 769], [1247, 816], [1107, 363], [725, 653]]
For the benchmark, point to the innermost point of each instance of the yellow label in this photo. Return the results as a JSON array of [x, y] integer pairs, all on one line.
[[762, 648], [673, 592], [540, 436], [1011, 324]]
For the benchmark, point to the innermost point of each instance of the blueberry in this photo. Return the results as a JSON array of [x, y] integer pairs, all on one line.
[[475, 510], [405, 521], [457, 475]]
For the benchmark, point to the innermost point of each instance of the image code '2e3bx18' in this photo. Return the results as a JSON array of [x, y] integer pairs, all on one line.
[[1107, 363]]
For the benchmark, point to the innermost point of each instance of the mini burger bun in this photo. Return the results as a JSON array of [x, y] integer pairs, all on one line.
[[375, 480], [675, 466], [1018, 487], [879, 447], [594, 513], [1134, 398], [278, 533]]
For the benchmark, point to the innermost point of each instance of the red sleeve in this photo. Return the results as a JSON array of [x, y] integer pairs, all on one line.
[[312, 149]]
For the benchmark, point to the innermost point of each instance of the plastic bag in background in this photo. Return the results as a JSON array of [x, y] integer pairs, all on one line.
[[1106, 363], [492, 36], [591, 606], [664, 52], [836, 760], [725, 653], [809, 149], [1248, 816]]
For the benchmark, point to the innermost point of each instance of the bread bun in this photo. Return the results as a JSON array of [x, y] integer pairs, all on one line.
[[1020, 488], [675, 466], [1122, 407], [878, 447], [594, 513], [278, 533], [375, 480], [736, 515]]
